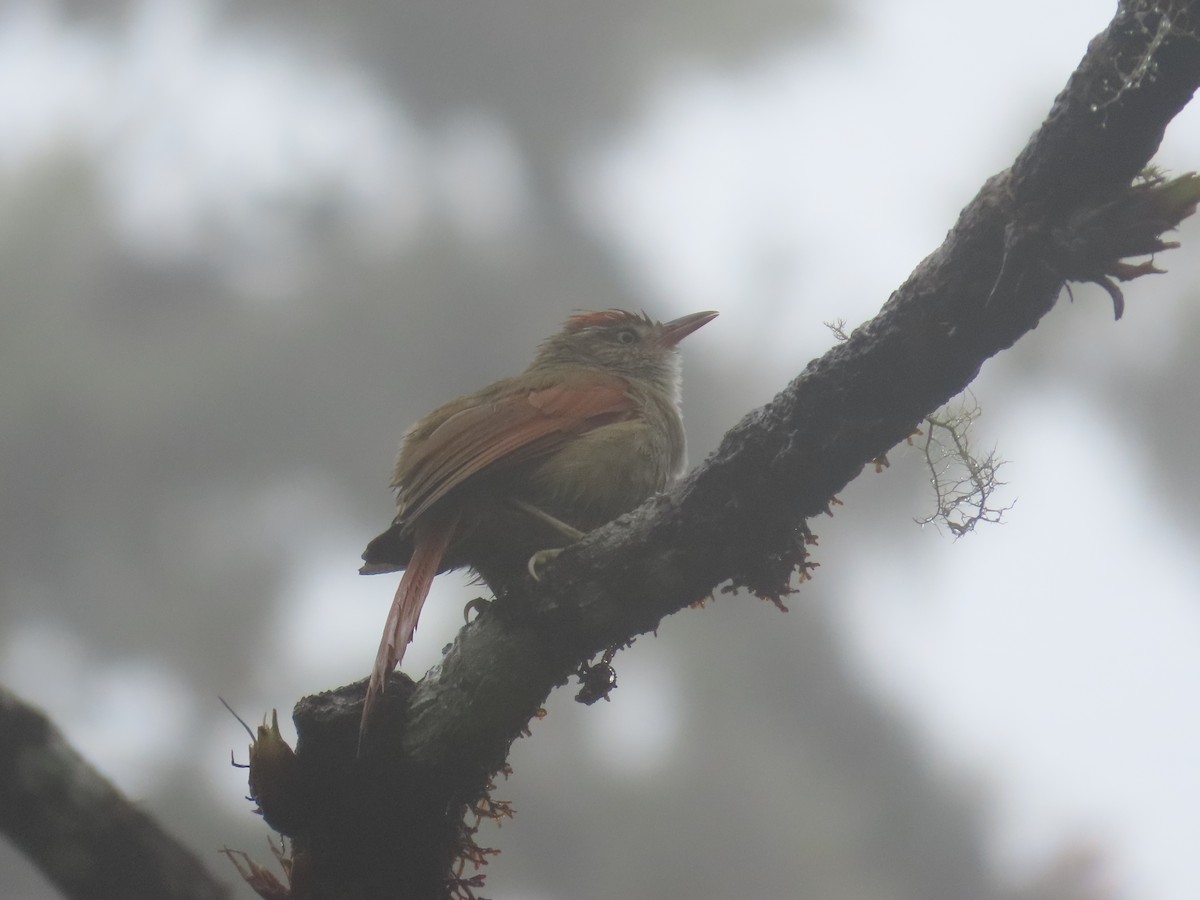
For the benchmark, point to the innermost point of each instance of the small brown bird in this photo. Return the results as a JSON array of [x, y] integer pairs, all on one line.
[[529, 464]]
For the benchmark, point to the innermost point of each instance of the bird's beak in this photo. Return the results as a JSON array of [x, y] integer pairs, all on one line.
[[677, 329]]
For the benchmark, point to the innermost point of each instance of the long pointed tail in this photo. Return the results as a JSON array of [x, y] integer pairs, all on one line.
[[429, 547]]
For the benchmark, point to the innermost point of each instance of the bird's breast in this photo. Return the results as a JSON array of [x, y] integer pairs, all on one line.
[[606, 472]]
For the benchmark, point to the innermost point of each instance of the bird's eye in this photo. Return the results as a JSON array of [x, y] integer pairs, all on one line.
[[627, 336]]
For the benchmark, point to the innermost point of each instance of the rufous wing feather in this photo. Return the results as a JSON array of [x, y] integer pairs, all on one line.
[[432, 538], [503, 433]]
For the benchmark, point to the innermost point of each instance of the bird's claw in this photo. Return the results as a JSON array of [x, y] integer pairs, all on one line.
[[539, 560], [478, 605]]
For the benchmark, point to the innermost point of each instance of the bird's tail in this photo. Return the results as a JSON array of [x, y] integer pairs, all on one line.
[[429, 547]]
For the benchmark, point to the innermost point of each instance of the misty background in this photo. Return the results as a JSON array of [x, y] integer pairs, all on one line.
[[245, 244]]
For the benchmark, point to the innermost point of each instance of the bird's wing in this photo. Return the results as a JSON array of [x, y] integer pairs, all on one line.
[[503, 432]]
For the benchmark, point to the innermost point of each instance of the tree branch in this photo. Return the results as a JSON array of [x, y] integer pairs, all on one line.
[[390, 823], [77, 828]]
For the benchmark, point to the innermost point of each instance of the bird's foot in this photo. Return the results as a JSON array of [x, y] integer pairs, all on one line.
[[478, 605], [539, 560], [570, 532]]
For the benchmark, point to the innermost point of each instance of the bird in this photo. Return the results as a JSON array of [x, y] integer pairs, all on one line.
[[499, 480]]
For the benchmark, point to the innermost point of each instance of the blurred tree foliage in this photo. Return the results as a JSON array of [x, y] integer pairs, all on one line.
[[172, 445]]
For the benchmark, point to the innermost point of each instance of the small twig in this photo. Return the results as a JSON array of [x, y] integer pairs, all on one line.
[[963, 500]]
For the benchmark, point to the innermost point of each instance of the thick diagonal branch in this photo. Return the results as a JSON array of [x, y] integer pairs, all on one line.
[[1000, 270], [380, 825]]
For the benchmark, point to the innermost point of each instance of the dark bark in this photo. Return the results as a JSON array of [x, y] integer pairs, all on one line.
[[80, 831], [388, 823]]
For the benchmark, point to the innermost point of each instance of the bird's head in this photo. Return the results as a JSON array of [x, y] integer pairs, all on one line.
[[631, 345]]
